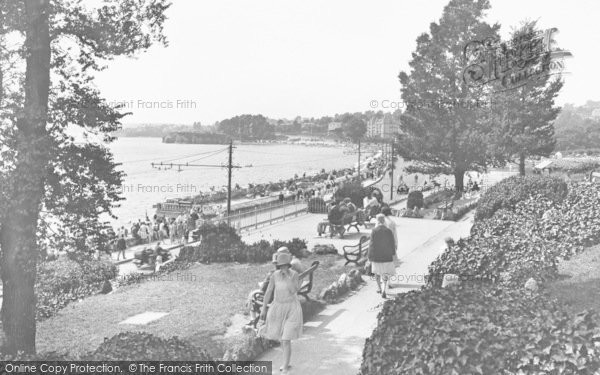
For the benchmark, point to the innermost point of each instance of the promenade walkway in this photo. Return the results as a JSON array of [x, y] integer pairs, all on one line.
[[333, 340]]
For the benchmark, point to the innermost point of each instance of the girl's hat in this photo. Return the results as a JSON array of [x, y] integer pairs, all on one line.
[[282, 249], [283, 258]]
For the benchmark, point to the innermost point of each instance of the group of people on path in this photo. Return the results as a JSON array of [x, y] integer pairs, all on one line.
[[176, 229]]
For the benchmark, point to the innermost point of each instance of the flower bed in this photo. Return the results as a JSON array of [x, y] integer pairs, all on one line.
[[480, 330]]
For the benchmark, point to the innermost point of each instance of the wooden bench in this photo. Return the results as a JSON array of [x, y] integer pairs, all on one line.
[[354, 253], [258, 296], [349, 221]]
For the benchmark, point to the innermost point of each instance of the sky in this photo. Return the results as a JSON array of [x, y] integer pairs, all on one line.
[[288, 58]]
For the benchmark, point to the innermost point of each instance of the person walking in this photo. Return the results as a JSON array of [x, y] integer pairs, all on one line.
[[283, 320], [121, 243], [381, 254]]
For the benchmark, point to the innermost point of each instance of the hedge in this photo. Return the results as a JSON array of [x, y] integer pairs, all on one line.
[[478, 329], [141, 346], [508, 192], [221, 243], [62, 281], [512, 246]]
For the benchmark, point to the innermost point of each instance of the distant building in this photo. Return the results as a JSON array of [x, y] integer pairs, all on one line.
[[385, 127], [333, 126]]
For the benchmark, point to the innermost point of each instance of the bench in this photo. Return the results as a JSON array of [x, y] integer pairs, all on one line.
[[354, 253], [349, 221], [258, 296]]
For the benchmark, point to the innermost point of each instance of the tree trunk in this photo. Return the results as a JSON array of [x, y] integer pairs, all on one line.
[[26, 188], [459, 179], [522, 164]]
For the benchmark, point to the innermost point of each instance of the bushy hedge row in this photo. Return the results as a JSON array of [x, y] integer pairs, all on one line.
[[477, 329], [438, 196], [141, 346], [127, 346], [512, 246], [221, 243], [62, 281], [507, 193]]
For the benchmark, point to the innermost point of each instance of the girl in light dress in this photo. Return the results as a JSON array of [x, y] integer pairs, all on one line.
[[283, 321]]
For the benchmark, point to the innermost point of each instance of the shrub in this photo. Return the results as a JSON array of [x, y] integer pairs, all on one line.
[[528, 241], [353, 190], [415, 199], [141, 346], [296, 245], [317, 205], [64, 280], [507, 193], [480, 330], [222, 249], [437, 197]]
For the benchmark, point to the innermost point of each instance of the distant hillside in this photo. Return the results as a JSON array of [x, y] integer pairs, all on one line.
[[196, 137], [151, 130]]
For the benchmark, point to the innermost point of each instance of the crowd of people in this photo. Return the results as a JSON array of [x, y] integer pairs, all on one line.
[[160, 228]]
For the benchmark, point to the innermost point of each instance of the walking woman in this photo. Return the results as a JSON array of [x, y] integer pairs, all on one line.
[[284, 317], [382, 250]]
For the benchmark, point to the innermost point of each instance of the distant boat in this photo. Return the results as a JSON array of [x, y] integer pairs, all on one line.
[[248, 165]]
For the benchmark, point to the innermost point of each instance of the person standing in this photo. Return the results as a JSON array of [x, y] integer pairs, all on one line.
[[381, 254], [283, 321], [389, 223], [121, 243]]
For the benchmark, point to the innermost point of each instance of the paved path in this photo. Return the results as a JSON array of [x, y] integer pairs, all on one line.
[[333, 340]]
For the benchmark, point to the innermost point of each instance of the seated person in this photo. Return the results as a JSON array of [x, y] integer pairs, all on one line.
[[335, 215], [351, 206]]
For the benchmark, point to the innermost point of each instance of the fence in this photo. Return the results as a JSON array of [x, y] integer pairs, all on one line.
[[263, 216]]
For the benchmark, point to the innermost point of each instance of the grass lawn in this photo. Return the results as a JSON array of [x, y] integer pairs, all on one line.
[[199, 302], [579, 287]]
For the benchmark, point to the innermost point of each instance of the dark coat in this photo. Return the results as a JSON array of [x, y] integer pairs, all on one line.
[[381, 248]]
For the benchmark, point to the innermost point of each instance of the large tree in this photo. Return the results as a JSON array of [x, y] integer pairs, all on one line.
[[59, 44], [524, 111], [443, 129]]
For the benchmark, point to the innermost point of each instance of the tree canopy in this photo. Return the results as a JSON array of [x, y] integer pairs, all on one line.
[[47, 88], [443, 129]]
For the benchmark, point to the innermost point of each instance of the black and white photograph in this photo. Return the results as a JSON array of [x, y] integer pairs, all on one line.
[[300, 187]]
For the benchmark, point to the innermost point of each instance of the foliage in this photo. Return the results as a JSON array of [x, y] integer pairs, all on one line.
[[441, 131], [415, 199], [512, 246], [142, 346], [353, 190], [221, 243], [295, 246], [355, 129], [576, 128], [41, 164], [476, 329], [62, 281], [438, 196], [247, 127], [508, 192], [524, 115]]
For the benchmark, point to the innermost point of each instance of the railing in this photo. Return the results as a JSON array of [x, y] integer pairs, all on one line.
[[263, 215]]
